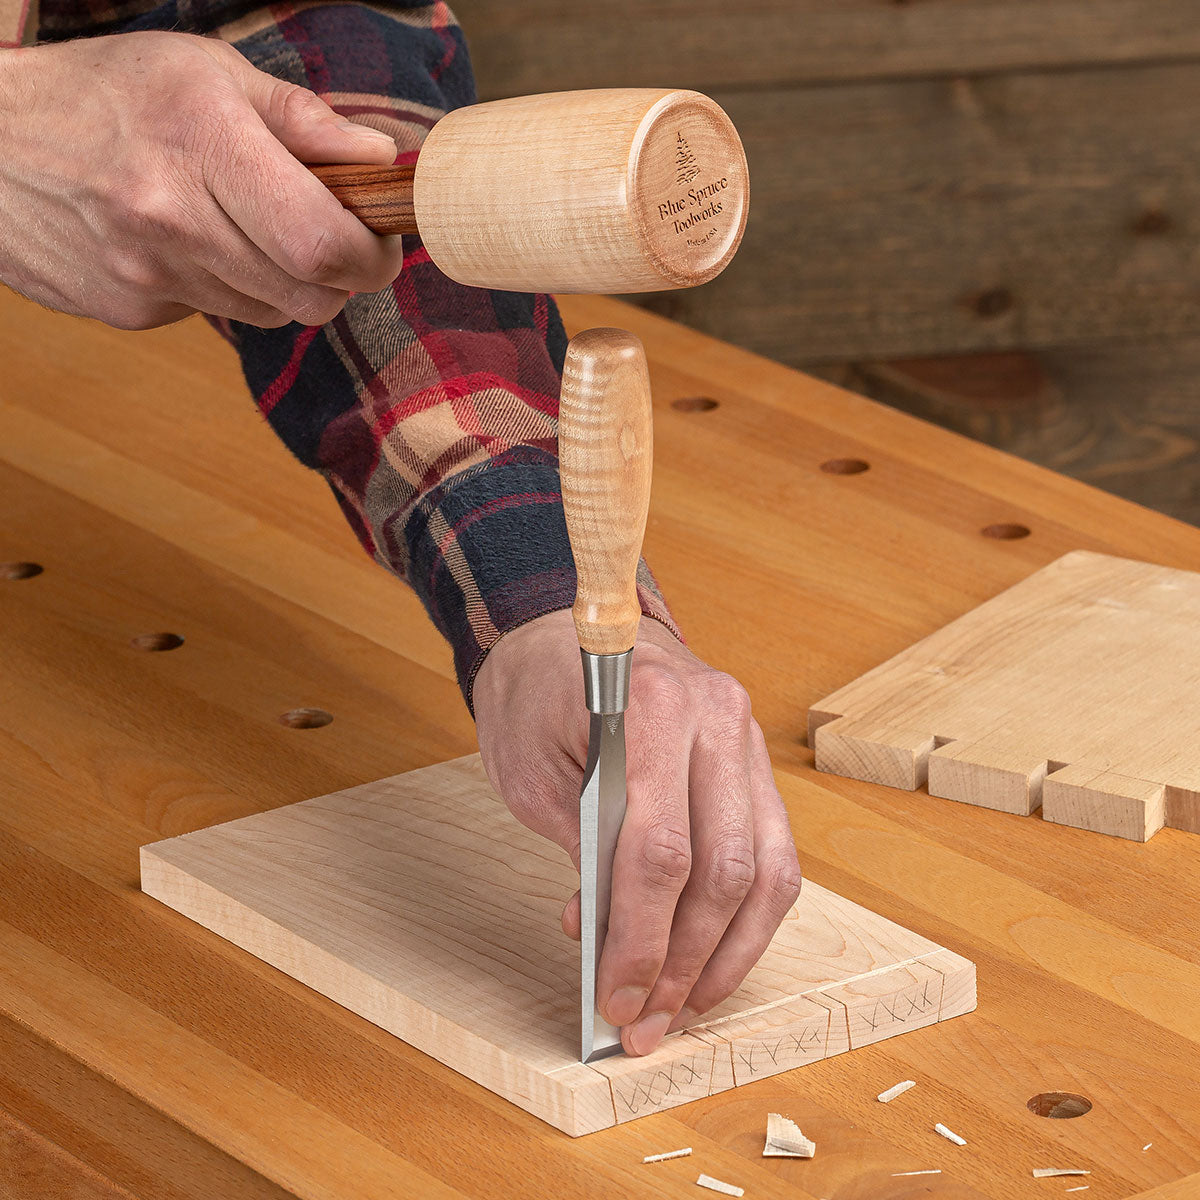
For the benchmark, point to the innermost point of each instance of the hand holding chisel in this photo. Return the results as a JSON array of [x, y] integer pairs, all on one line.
[[703, 868]]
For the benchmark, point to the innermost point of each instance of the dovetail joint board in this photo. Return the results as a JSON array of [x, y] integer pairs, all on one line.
[[1073, 691], [420, 903]]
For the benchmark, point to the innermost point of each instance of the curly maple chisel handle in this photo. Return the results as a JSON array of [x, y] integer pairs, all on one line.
[[605, 447]]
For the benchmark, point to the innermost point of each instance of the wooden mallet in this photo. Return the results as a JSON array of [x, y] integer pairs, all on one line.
[[611, 190]]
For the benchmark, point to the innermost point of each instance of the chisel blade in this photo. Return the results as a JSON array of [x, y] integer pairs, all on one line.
[[601, 811]]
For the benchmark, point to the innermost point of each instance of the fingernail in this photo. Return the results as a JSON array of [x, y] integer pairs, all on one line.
[[648, 1033], [625, 1004], [365, 130]]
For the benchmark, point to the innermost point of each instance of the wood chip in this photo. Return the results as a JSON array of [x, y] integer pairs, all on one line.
[[892, 1092], [784, 1139], [949, 1134], [715, 1185], [898, 1174], [669, 1154], [1053, 1172]]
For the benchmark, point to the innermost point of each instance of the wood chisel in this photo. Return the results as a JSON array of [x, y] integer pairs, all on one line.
[[605, 434]]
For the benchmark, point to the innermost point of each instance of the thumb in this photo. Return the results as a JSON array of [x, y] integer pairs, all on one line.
[[308, 127]]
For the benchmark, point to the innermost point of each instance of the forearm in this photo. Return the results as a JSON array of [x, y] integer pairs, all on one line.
[[431, 408]]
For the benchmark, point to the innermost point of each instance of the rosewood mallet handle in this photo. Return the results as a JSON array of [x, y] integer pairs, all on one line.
[[380, 197]]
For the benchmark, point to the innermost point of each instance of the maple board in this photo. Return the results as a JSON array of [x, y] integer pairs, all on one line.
[[421, 904], [1074, 691]]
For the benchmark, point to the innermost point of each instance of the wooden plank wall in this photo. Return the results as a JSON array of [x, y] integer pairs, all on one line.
[[928, 176]]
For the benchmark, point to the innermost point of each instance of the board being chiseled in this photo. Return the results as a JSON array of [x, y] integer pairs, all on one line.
[[421, 904], [1076, 691]]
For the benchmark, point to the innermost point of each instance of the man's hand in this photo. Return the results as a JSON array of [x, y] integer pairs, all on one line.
[[146, 176], [705, 867]]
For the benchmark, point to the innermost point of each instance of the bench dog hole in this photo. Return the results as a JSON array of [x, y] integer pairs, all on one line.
[[695, 404], [1059, 1105], [1006, 531], [845, 466], [305, 718], [156, 641], [20, 570]]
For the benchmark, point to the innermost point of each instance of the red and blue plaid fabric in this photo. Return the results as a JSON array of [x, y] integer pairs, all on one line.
[[430, 408]]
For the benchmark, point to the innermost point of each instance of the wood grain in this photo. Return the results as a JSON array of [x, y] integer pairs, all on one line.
[[1069, 692], [172, 508], [420, 903], [606, 451], [380, 197]]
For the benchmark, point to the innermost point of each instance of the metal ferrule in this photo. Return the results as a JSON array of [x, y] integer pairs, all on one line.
[[606, 681]]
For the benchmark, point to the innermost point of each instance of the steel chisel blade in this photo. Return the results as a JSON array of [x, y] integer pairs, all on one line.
[[601, 812]]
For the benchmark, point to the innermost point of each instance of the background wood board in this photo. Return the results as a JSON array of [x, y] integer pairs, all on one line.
[[1071, 691], [549, 45], [165, 1062], [420, 903]]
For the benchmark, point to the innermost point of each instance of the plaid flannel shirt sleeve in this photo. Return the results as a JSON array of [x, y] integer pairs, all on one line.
[[430, 408]]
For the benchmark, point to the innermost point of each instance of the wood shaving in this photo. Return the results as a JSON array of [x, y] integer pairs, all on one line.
[[898, 1174], [1052, 1172], [669, 1154], [784, 1139], [949, 1134], [892, 1092], [715, 1185]]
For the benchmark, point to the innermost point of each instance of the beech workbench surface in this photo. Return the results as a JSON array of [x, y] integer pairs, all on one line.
[[142, 1056]]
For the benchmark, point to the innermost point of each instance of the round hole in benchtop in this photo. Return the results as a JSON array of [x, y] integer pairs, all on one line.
[[20, 570], [1006, 531], [845, 466], [305, 718], [695, 404], [156, 641], [1059, 1105]]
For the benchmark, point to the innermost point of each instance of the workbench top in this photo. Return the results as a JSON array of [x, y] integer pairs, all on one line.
[[141, 1056]]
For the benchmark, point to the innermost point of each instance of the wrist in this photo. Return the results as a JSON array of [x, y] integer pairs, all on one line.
[[514, 649], [551, 639]]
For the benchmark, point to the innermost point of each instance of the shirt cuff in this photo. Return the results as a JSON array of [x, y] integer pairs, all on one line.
[[488, 551]]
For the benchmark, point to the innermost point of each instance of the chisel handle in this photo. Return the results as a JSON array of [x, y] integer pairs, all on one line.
[[605, 448], [380, 197]]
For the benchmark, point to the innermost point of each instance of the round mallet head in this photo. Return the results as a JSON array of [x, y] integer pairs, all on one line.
[[606, 190]]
